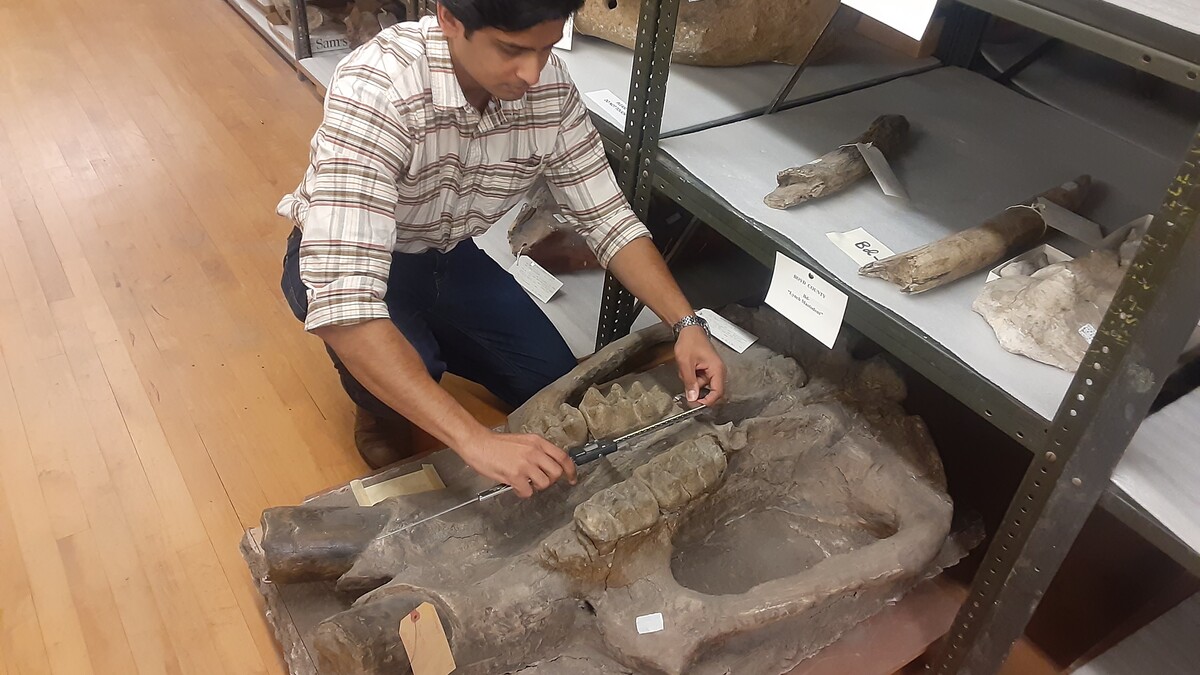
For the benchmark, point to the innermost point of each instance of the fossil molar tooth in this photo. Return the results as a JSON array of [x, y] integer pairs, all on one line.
[[617, 512], [683, 473], [621, 411], [569, 430]]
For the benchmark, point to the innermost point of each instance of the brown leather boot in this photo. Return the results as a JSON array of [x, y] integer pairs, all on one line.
[[382, 442]]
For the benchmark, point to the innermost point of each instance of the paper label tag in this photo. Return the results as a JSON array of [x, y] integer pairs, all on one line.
[[860, 246], [416, 482], [425, 642], [726, 331], [650, 623], [1088, 332], [560, 218], [807, 300], [1069, 223], [611, 106], [568, 34], [535, 279], [882, 170]]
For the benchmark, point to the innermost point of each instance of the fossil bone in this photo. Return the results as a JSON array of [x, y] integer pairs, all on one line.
[[954, 257], [1051, 314], [837, 170], [760, 533], [541, 232], [729, 32]]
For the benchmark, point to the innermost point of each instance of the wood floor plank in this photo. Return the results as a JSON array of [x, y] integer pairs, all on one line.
[[156, 394], [21, 646], [106, 640], [57, 617]]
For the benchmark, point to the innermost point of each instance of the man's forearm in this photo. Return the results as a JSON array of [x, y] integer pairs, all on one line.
[[640, 269], [383, 361]]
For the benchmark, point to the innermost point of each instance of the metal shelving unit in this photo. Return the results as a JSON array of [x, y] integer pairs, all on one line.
[[1156, 36], [703, 97], [1078, 438]]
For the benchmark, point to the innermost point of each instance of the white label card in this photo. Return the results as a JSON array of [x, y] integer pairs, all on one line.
[[807, 300], [650, 623], [726, 331], [910, 17], [1088, 332], [611, 106], [568, 34], [860, 246], [882, 170], [533, 278]]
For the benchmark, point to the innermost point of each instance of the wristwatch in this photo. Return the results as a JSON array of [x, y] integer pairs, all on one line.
[[690, 320]]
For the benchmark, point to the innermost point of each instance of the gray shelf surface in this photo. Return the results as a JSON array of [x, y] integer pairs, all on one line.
[[575, 309], [1159, 36], [975, 149], [319, 69], [702, 97], [1167, 646], [1160, 474], [1073, 80]]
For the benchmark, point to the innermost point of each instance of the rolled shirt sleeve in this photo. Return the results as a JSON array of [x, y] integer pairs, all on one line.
[[348, 219], [582, 182]]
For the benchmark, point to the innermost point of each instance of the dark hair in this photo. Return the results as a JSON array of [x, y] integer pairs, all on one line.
[[510, 16]]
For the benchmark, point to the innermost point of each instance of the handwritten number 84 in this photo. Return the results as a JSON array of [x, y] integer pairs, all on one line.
[[865, 247]]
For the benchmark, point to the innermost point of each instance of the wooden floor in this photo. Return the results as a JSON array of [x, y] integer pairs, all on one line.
[[155, 392]]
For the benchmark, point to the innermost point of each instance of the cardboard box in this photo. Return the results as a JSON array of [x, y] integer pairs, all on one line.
[[324, 39], [1053, 255], [328, 39]]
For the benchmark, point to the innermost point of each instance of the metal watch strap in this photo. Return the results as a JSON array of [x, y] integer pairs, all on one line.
[[690, 320]]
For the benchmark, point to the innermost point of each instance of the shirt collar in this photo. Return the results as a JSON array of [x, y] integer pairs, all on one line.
[[443, 84]]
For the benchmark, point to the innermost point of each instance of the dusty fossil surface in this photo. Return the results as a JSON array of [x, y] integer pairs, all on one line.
[[728, 32], [760, 532], [1050, 312]]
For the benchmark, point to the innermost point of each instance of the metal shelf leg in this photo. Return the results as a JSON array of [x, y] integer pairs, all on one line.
[[647, 93]]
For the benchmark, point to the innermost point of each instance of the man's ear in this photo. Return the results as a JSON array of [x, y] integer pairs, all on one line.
[[450, 24]]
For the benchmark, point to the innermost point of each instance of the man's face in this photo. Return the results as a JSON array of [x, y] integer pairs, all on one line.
[[504, 65]]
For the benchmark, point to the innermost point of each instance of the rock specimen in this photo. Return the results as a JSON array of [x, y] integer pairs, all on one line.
[[954, 257], [363, 18], [798, 508], [1051, 314], [541, 232], [728, 32], [839, 169], [315, 14]]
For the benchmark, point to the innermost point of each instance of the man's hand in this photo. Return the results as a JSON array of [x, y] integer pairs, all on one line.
[[526, 462], [699, 366]]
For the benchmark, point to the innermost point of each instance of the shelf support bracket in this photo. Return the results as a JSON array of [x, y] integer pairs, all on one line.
[[818, 46]]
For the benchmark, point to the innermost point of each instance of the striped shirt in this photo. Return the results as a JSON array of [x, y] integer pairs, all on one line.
[[402, 162]]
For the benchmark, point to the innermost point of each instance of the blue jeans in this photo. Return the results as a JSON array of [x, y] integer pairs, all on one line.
[[463, 314]]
